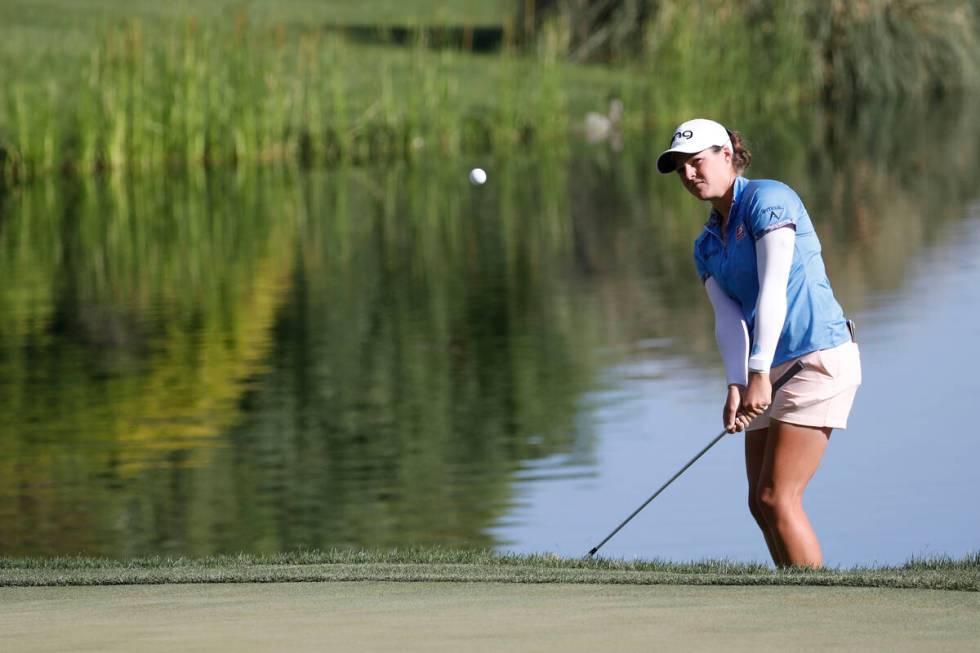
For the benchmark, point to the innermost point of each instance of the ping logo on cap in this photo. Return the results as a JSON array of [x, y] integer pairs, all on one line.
[[687, 135], [690, 137]]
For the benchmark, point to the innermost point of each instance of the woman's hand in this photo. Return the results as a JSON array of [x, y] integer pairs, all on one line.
[[729, 413], [758, 395], [756, 398], [744, 404]]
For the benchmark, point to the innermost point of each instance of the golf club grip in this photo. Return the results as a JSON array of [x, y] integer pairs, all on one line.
[[787, 375], [780, 382]]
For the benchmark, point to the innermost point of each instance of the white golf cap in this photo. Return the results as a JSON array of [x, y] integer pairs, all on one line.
[[690, 137]]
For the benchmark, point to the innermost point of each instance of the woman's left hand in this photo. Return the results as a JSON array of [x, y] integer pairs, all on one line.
[[757, 396]]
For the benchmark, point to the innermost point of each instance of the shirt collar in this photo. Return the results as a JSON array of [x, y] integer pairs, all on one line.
[[714, 219]]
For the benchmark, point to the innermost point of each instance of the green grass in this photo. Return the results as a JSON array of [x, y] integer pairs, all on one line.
[[82, 15], [144, 96], [429, 565], [229, 86], [108, 85], [220, 93], [192, 95]]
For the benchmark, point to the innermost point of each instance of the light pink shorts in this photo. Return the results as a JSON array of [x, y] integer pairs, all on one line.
[[821, 394]]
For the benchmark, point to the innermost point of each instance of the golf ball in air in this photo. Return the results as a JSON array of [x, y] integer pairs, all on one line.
[[478, 176]]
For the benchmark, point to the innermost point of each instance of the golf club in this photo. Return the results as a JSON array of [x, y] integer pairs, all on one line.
[[775, 386]]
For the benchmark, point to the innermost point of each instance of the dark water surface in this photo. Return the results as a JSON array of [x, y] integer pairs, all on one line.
[[271, 360]]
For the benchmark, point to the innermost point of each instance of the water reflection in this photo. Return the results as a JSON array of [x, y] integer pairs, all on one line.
[[269, 360], [899, 482]]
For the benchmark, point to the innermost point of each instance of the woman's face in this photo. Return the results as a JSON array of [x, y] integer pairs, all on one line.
[[707, 174]]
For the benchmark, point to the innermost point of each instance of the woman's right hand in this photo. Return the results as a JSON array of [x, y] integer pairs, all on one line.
[[732, 404]]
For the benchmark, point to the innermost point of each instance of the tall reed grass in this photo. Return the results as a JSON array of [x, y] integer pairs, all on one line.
[[885, 48], [846, 50], [210, 93], [227, 90], [218, 91]]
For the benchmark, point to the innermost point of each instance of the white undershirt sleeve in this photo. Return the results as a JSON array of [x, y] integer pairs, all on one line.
[[731, 332], [774, 258]]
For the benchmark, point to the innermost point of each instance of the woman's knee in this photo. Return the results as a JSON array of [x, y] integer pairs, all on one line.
[[774, 502]]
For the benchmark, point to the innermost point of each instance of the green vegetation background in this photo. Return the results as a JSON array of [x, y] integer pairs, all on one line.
[[124, 86]]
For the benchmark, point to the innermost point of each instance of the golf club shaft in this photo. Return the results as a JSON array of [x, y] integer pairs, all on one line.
[[776, 386]]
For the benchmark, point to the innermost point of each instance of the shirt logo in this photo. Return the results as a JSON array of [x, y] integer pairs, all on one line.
[[740, 232]]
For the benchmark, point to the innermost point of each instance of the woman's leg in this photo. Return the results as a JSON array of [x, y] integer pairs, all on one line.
[[755, 449], [792, 454]]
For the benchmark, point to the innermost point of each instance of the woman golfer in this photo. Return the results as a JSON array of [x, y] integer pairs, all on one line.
[[759, 259]]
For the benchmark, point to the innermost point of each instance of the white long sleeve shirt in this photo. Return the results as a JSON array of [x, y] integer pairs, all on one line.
[[774, 258]]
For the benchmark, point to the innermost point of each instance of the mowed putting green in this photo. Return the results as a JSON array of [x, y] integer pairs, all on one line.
[[479, 616]]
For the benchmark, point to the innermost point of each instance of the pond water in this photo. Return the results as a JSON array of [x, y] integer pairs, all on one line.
[[274, 360]]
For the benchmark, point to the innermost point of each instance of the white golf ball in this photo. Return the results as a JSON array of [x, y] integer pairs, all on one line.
[[478, 176]]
